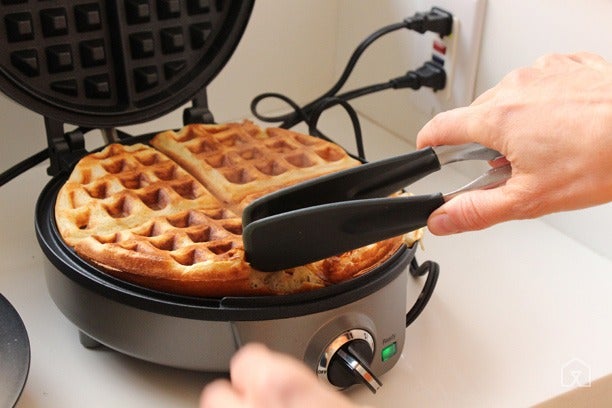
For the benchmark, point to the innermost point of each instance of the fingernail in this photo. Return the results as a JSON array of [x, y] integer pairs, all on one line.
[[442, 224]]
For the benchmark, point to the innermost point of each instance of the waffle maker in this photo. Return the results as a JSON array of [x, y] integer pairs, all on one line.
[[101, 64]]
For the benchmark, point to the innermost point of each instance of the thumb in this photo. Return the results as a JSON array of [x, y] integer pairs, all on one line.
[[470, 211]]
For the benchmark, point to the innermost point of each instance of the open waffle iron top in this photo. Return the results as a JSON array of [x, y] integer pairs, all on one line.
[[111, 63]]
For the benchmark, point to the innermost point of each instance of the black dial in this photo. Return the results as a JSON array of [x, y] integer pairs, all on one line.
[[350, 366], [346, 361]]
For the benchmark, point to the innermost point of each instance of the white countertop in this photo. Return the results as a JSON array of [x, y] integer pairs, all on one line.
[[516, 307]]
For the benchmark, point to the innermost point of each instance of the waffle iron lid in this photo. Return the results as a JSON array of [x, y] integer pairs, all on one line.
[[112, 63]]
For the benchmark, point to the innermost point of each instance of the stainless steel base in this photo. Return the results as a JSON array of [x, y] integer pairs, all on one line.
[[208, 345]]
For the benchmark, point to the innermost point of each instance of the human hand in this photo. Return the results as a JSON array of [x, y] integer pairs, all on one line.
[[261, 378], [553, 123]]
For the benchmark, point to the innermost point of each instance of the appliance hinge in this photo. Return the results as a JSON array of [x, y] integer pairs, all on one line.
[[198, 112], [64, 147]]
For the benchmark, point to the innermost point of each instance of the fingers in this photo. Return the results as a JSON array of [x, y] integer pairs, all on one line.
[[476, 123], [450, 127], [261, 378], [220, 394], [471, 211]]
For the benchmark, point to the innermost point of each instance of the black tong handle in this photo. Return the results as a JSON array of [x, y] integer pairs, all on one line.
[[343, 211], [376, 179], [318, 232]]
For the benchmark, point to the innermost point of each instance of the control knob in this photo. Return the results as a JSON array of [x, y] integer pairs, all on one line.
[[346, 361]]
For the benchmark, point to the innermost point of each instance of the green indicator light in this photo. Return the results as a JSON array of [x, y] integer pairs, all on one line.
[[389, 351]]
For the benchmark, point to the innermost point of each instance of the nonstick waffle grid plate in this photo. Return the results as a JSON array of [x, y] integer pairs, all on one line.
[[110, 63]]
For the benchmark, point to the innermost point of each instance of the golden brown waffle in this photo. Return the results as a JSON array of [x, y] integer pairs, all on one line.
[[240, 162], [143, 217], [135, 212], [121, 187]]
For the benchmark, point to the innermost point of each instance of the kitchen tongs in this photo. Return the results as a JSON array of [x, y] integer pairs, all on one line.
[[342, 211]]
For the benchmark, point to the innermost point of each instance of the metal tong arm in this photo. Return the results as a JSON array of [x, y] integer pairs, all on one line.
[[370, 180], [492, 178]]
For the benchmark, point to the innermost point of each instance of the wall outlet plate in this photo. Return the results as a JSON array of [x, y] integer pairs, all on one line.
[[458, 53]]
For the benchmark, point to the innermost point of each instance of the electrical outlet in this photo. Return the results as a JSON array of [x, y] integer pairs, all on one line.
[[457, 53], [406, 111]]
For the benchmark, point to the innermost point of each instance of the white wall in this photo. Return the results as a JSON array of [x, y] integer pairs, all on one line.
[[518, 32]]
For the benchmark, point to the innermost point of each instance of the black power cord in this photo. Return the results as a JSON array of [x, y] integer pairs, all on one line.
[[436, 20], [429, 75], [23, 166], [432, 269]]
